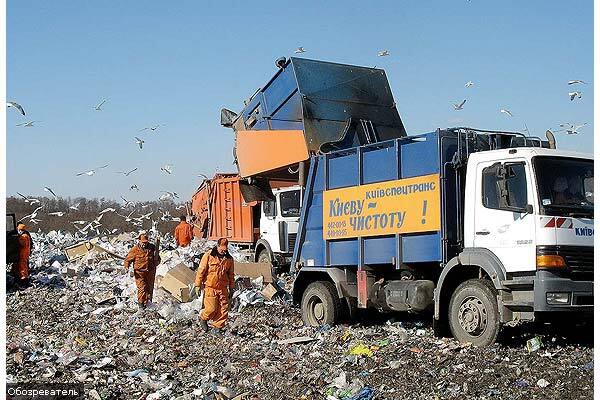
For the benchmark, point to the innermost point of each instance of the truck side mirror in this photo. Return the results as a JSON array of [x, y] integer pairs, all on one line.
[[529, 209], [227, 117]]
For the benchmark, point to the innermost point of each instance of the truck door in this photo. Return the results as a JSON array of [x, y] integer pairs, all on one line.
[[269, 229], [12, 242], [504, 222]]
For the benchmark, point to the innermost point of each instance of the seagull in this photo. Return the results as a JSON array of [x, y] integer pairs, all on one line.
[[33, 214], [126, 173], [127, 217], [35, 221], [134, 187], [139, 141], [75, 207], [167, 169], [575, 82], [572, 129], [109, 209], [15, 105], [47, 189], [91, 171], [469, 84], [127, 202], [505, 111], [27, 124], [180, 207], [572, 95], [167, 195], [146, 216], [460, 106], [300, 50], [29, 200], [99, 106], [383, 53], [80, 222], [57, 213], [152, 128]]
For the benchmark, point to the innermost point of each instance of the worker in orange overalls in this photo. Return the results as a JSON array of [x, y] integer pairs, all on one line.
[[184, 233], [215, 276], [145, 258], [20, 270]]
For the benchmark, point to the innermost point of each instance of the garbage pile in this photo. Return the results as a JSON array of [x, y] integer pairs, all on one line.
[[78, 322]]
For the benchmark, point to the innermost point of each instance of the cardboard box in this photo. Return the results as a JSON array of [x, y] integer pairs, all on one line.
[[269, 291], [81, 249], [254, 270], [179, 282]]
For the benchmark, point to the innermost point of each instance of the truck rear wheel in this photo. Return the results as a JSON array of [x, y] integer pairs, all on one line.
[[473, 313], [321, 304]]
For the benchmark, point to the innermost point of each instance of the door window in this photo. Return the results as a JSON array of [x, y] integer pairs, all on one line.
[[505, 186], [269, 208]]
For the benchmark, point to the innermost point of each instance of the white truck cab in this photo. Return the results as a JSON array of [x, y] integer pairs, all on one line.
[[533, 209], [279, 226]]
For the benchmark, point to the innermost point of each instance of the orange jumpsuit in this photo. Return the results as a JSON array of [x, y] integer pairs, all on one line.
[[144, 270], [216, 274], [184, 234], [20, 270]]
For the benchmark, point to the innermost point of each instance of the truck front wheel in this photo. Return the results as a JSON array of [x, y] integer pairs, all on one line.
[[264, 256], [321, 304], [473, 313]]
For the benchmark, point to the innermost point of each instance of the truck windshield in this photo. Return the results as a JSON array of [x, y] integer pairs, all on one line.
[[566, 186], [290, 203]]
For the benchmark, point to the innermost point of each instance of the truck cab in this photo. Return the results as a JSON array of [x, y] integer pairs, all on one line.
[[533, 209], [279, 226]]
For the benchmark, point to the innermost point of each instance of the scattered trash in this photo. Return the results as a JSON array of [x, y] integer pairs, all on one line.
[[296, 340], [534, 344], [543, 383], [360, 349]]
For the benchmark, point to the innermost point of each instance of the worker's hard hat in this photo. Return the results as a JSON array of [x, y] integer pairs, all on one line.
[[143, 238], [21, 227]]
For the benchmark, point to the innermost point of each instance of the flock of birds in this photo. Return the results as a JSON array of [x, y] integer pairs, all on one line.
[[84, 227], [568, 128]]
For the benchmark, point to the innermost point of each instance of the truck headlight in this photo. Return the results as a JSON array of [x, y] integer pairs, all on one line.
[[558, 298], [550, 261]]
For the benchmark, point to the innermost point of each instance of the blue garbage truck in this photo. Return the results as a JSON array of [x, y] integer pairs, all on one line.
[[481, 227]]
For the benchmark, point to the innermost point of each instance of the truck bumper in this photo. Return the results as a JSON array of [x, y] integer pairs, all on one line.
[[556, 293]]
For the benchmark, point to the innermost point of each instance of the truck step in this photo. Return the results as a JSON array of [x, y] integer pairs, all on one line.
[[518, 305], [519, 283]]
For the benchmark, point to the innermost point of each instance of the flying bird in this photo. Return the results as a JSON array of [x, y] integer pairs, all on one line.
[[126, 173], [134, 187], [383, 53], [27, 124], [505, 111], [15, 105], [47, 189], [572, 95], [91, 171], [575, 82], [29, 200], [151, 128], [300, 50], [139, 141], [459, 106], [75, 207], [469, 84], [99, 106], [33, 214], [126, 202], [109, 209], [167, 168], [57, 213], [572, 129], [168, 195]]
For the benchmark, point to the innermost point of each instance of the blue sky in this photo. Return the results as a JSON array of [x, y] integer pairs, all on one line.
[[178, 64]]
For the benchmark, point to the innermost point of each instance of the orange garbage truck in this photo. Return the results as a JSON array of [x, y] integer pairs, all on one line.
[[265, 230]]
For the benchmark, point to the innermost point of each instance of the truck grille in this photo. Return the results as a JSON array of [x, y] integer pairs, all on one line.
[[291, 242], [579, 259]]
